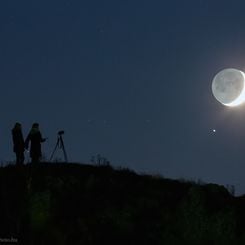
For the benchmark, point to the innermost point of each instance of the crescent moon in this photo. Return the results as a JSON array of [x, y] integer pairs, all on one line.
[[241, 98], [228, 87]]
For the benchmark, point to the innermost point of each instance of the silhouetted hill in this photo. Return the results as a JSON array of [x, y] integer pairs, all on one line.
[[62, 203]]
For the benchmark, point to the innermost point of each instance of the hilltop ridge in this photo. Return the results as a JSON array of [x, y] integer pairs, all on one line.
[[69, 203]]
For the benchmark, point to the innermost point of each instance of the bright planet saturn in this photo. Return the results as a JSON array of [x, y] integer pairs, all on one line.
[[228, 87]]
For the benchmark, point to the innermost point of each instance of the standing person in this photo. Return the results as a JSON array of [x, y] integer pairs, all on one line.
[[36, 139], [18, 142]]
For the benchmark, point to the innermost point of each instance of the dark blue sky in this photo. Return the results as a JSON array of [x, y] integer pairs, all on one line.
[[130, 80]]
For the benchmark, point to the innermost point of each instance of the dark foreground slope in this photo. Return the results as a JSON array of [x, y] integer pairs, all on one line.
[[82, 204]]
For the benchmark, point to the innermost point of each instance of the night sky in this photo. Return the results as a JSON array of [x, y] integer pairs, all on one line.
[[130, 80]]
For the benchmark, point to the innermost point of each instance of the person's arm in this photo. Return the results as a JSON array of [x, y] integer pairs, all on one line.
[[42, 139]]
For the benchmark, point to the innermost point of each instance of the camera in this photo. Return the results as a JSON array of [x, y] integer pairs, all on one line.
[[61, 132]]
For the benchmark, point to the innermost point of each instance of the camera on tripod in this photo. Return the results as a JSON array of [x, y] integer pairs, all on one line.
[[60, 145], [61, 132]]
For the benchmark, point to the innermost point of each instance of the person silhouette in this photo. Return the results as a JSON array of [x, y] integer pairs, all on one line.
[[18, 142], [36, 139]]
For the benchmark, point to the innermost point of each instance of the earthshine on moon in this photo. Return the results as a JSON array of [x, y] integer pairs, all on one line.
[[228, 87]]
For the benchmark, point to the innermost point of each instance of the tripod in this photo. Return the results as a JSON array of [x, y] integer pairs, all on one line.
[[59, 144]]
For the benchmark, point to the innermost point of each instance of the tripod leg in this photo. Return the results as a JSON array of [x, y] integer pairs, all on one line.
[[63, 148], [57, 144]]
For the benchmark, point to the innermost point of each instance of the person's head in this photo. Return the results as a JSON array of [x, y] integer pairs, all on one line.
[[35, 125], [17, 125]]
